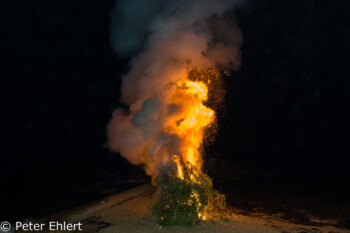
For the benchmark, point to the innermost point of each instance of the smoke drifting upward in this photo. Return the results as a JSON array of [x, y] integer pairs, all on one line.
[[172, 38]]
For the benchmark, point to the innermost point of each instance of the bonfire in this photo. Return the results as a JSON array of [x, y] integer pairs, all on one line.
[[170, 98], [186, 196]]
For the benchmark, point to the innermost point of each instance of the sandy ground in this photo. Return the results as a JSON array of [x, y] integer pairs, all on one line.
[[125, 212]]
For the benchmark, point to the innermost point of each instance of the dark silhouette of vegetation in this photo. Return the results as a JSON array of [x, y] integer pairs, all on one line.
[[185, 201]]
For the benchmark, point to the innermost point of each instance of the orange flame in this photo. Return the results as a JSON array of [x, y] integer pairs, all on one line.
[[190, 123]]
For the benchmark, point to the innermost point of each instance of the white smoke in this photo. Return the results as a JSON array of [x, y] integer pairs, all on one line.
[[169, 36], [130, 24]]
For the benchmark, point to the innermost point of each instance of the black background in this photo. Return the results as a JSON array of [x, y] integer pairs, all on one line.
[[284, 131]]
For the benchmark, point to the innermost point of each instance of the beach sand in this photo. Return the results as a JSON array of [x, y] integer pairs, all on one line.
[[125, 212]]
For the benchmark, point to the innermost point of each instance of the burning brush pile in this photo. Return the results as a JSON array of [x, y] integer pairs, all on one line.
[[185, 193], [171, 91]]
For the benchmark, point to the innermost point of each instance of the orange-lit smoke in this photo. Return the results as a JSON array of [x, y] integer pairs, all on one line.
[[164, 125]]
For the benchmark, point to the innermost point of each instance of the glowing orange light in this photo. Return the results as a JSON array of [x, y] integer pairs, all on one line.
[[189, 125]]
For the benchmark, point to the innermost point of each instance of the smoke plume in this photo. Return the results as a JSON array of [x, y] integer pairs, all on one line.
[[167, 38]]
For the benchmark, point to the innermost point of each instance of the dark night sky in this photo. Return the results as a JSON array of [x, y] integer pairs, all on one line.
[[57, 62], [286, 118]]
